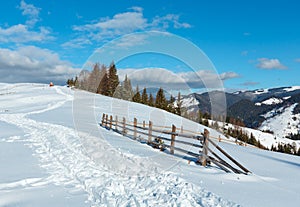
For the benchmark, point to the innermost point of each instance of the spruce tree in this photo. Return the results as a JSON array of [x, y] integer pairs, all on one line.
[[151, 100], [179, 104], [113, 79], [127, 88], [137, 95], [160, 101], [144, 97], [103, 87]]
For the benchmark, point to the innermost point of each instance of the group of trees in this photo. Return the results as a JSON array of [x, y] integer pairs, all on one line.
[[160, 100], [286, 148], [104, 80], [101, 80]]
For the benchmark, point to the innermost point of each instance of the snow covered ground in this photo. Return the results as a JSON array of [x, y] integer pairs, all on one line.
[[53, 153]]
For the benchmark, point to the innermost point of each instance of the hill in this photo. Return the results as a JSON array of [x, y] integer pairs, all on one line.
[[53, 153]]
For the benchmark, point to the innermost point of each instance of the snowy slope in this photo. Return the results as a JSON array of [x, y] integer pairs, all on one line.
[[53, 153], [283, 124]]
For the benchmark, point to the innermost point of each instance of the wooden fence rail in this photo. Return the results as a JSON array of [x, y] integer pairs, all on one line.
[[184, 139]]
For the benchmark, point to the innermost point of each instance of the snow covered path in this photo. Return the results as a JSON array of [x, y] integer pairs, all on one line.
[[88, 165]]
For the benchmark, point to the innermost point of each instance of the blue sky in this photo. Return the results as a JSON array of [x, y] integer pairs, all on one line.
[[252, 44]]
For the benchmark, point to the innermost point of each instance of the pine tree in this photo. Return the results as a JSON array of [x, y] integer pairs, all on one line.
[[144, 97], [127, 89], [137, 95], [103, 87], [179, 104], [113, 79], [160, 101], [151, 100]]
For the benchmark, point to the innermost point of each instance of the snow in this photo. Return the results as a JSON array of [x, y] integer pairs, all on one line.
[[54, 153], [191, 101], [261, 91], [292, 88], [283, 124], [270, 101]]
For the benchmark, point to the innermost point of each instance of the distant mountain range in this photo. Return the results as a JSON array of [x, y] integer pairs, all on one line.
[[256, 108]]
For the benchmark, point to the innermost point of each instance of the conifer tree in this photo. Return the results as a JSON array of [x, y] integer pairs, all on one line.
[[103, 87], [137, 95], [144, 97], [151, 100], [160, 101], [179, 104], [113, 79]]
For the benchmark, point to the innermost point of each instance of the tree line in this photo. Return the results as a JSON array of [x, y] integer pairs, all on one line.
[[105, 80]]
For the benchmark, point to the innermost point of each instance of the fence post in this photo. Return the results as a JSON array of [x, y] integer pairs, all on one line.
[[124, 126], [150, 132], [116, 126], [205, 146], [103, 117], [106, 120], [110, 122], [173, 139], [144, 124], [220, 138], [181, 129], [134, 128]]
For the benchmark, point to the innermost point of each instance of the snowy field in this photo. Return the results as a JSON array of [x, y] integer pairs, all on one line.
[[54, 153]]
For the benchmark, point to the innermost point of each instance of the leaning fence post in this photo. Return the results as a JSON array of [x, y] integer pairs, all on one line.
[[173, 139], [150, 132], [110, 122], [134, 128], [205, 146], [103, 117], [124, 126], [116, 126], [106, 120]]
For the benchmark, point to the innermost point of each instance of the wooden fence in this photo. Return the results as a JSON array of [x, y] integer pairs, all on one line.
[[174, 139]]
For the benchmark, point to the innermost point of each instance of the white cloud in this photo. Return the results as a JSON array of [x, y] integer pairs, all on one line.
[[160, 77], [120, 23], [21, 33], [137, 9], [266, 63], [33, 64], [31, 12], [77, 43], [125, 23], [168, 21], [298, 60]]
